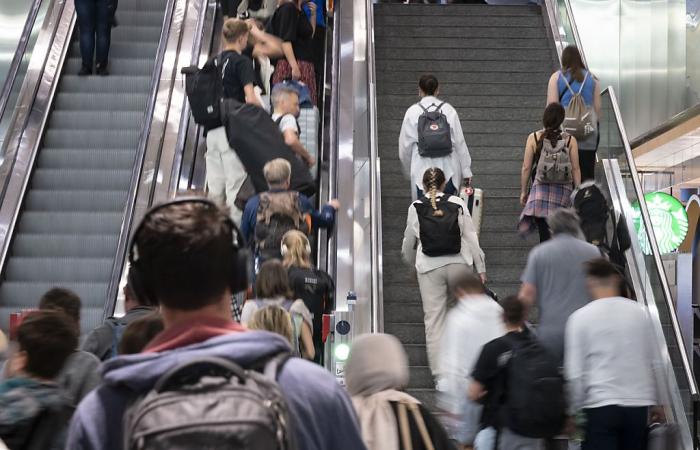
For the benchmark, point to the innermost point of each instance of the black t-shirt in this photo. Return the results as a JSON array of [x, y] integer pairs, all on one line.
[[491, 371], [291, 25], [237, 72], [316, 289], [256, 67]]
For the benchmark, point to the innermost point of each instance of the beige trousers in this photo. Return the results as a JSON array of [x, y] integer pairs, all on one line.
[[225, 172], [436, 293]]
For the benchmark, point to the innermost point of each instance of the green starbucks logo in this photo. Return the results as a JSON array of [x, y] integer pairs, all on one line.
[[669, 219]]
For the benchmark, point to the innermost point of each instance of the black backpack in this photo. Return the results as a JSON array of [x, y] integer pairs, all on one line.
[[212, 402], [434, 138], [256, 139], [439, 229], [592, 208], [535, 402], [205, 90]]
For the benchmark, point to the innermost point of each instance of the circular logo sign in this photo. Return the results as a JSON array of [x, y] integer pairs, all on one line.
[[434, 127], [669, 219]]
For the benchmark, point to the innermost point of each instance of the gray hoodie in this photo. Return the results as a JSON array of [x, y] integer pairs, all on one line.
[[321, 409]]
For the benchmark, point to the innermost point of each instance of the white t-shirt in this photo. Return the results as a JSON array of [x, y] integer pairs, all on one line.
[[288, 122]]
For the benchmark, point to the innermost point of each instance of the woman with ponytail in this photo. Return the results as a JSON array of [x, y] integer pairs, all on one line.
[[540, 198], [441, 240], [315, 287]]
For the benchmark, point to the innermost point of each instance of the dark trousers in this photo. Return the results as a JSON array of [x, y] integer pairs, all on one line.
[[616, 428], [95, 24], [542, 228], [319, 49], [586, 159]]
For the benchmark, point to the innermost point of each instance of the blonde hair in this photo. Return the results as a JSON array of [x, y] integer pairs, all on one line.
[[233, 29], [277, 172], [296, 249], [275, 319], [433, 180]]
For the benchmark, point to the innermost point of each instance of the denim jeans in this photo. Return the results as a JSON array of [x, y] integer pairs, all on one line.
[[95, 25]]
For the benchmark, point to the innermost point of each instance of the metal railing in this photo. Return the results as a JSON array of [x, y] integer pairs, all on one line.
[[141, 165], [19, 55]]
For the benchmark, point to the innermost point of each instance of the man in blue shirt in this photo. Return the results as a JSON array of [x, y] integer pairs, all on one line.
[[282, 210]]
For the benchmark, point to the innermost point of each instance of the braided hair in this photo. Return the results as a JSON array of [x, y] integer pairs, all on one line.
[[433, 180], [552, 119]]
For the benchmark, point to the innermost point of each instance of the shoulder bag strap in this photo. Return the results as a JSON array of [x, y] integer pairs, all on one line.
[[418, 417], [404, 429], [439, 107]]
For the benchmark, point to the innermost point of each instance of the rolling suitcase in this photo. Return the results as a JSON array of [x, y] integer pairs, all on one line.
[[474, 198]]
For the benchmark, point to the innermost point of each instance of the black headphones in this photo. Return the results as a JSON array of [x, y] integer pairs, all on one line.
[[241, 256]]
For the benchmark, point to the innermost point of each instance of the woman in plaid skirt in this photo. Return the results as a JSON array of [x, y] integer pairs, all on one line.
[[543, 198]]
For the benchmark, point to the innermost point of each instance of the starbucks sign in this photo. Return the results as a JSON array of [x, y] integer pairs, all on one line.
[[669, 219]]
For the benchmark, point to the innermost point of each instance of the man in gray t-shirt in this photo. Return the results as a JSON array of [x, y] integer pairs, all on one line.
[[554, 278]]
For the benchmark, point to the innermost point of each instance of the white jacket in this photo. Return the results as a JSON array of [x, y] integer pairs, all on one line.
[[456, 166], [472, 323], [471, 252]]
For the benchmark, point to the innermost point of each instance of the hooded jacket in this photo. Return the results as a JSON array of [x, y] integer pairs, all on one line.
[[322, 412], [474, 321]]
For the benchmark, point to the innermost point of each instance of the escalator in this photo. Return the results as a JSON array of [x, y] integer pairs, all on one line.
[[493, 64], [71, 217]]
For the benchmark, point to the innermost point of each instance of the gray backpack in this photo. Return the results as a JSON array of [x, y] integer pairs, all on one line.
[[434, 138], [553, 162], [580, 119], [212, 402]]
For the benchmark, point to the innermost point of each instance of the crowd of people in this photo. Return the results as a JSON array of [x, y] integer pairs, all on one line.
[[160, 375]]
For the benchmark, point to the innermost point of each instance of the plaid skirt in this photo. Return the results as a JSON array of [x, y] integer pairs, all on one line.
[[542, 201], [283, 71]]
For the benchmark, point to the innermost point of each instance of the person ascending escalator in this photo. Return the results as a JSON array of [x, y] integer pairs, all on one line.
[[95, 19]]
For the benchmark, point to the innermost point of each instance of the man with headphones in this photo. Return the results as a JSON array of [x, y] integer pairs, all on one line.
[[188, 257]]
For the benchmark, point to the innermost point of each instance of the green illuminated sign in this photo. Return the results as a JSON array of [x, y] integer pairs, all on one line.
[[669, 219], [342, 351]]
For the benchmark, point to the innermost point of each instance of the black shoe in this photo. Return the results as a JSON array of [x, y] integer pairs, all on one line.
[[102, 70], [85, 70]]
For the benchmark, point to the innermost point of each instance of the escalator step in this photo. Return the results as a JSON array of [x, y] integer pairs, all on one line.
[[100, 101], [58, 270], [59, 201], [79, 223], [73, 179], [114, 83], [65, 245], [117, 66], [20, 293], [90, 158], [76, 139], [138, 18], [125, 49], [130, 33]]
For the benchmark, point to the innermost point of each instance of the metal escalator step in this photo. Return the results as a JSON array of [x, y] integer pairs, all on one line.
[[65, 201], [117, 66], [461, 21], [455, 10], [91, 120], [140, 18], [80, 223], [87, 158], [75, 179], [65, 245], [76, 139], [125, 49], [57, 270], [122, 84], [140, 5], [462, 34], [23, 293], [130, 33], [100, 101], [428, 52]]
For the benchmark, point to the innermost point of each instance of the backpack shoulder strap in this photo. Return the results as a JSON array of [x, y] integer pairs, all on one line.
[[404, 429], [568, 86], [422, 107], [583, 83], [439, 107], [420, 422], [274, 366]]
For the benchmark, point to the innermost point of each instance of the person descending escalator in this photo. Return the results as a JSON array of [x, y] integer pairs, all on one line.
[[577, 90], [95, 19], [440, 240], [431, 136]]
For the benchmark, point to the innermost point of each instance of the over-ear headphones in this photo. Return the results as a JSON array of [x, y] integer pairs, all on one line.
[[238, 280], [284, 250]]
